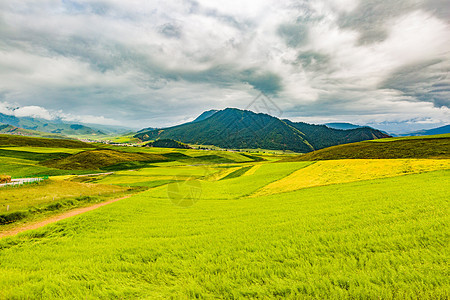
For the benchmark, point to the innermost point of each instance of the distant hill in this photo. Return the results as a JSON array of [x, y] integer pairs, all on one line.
[[241, 129], [342, 126], [205, 115], [50, 126], [439, 130], [320, 136], [168, 143], [9, 129], [413, 147], [110, 129]]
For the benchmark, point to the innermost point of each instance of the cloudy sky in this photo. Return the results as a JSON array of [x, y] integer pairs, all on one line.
[[157, 63]]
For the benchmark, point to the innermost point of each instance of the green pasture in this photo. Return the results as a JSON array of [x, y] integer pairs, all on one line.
[[378, 239]]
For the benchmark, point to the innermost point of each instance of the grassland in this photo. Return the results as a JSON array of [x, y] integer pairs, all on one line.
[[18, 168], [31, 202], [407, 147], [259, 228], [35, 194], [359, 240]]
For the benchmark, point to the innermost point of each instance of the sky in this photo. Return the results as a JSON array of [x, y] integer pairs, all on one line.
[[159, 63]]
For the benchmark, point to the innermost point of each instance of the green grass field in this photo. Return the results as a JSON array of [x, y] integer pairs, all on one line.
[[363, 240], [217, 224]]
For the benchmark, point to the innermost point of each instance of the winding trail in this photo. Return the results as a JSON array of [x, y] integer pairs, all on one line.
[[57, 218]]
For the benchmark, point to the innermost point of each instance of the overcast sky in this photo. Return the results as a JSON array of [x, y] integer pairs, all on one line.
[[157, 63]]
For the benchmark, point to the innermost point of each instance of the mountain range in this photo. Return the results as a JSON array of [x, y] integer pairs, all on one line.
[[57, 127], [13, 130], [439, 130], [242, 129]]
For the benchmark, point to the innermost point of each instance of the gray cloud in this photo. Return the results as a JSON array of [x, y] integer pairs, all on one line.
[[427, 82], [156, 63], [294, 34], [171, 30], [371, 15], [313, 61]]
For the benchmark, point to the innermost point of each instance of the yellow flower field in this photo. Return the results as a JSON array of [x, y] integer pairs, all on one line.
[[349, 170]]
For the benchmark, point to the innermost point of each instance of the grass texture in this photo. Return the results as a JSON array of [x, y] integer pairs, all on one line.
[[360, 240]]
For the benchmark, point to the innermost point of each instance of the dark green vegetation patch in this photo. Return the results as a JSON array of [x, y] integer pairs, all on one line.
[[168, 143], [237, 173]]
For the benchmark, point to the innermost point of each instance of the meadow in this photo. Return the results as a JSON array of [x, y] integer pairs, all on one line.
[[255, 226], [365, 239]]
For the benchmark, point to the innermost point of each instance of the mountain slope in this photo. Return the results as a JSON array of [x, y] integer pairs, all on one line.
[[239, 129], [205, 115], [320, 136]]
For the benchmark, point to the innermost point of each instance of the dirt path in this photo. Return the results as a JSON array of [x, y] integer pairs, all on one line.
[[56, 218]]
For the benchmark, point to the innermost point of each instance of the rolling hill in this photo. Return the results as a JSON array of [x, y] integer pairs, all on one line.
[[408, 147], [241, 129]]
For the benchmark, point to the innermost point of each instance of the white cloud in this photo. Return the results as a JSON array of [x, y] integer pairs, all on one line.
[[33, 111], [42, 113]]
